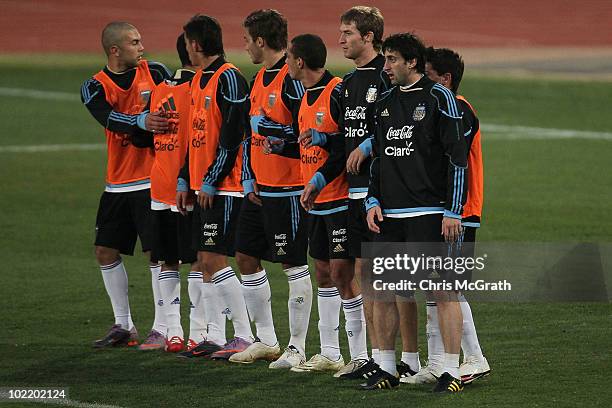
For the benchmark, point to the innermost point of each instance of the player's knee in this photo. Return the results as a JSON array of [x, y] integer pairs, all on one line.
[[106, 256], [247, 264]]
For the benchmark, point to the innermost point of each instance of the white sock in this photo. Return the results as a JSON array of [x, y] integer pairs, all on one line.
[[170, 287], [412, 359], [159, 324], [258, 299], [329, 303], [387, 361], [435, 346], [116, 284], [197, 322], [299, 304], [469, 338], [355, 326], [213, 314], [376, 355], [229, 290], [451, 364]]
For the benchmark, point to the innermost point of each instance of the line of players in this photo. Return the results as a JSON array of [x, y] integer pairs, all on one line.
[[301, 179]]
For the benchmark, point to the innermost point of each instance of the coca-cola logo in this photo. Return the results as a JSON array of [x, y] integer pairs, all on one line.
[[400, 134]]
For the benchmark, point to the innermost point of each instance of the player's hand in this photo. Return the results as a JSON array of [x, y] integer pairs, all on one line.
[[374, 216], [451, 229], [156, 122], [354, 161], [305, 138], [254, 196], [181, 202], [272, 145], [308, 197], [205, 200]]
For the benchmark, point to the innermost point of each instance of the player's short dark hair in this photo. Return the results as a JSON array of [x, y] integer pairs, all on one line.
[[270, 25], [311, 49], [409, 46], [446, 61], [181, 48], [206, 31], [366, 19]]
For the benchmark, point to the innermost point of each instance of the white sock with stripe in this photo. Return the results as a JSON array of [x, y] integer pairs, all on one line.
[[229, 290], [213, 314], [376, 355], [116, 284], [258, 299], [299, 304], [159, 323], [197, 322], [329, 303], [469, 338], [435, 346], [170, 287], [355, 327]]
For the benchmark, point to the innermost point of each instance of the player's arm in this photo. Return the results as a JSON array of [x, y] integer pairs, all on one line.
[[312, 137], [285, 142], [455, 148], [372, 201], [232, 95], [335, 163]]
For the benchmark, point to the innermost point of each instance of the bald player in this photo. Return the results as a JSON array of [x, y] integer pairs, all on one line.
[[116, 97]]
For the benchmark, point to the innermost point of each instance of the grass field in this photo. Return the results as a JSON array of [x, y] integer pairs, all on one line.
[[54, 304]]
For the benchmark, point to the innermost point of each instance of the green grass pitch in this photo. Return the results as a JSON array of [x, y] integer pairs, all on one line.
[[53, 300]]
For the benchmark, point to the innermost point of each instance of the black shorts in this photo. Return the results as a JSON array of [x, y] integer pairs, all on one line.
[[327, 236], [425, 233], [467, 249], [122, 218], [171, 240], [358, 230], [276, 231], [214, 229]]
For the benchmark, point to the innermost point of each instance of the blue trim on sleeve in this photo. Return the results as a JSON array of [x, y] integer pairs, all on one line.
[[371, 203], [208, 189], [255, 122], [182, 185], [366, 146], [140, 120], [318, 180], [450, 214], [318, 138], [248, 186]]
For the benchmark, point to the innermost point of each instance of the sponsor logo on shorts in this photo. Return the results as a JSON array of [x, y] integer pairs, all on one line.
[[209, 241], [281, 251], [339, 248]]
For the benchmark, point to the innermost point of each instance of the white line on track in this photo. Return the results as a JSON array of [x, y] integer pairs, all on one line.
[[37, 94], [73, 403], [52, 148], [490, 131]]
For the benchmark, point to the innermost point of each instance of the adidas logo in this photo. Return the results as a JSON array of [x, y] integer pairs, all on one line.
[[281, 251], [338, 248], [385, 113], [209, 241], [176, 301]]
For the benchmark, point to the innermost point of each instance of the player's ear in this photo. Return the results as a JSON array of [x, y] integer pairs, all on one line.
[[260, 42], [411, 63], [448, 79], [114, 50], [368, 37]]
